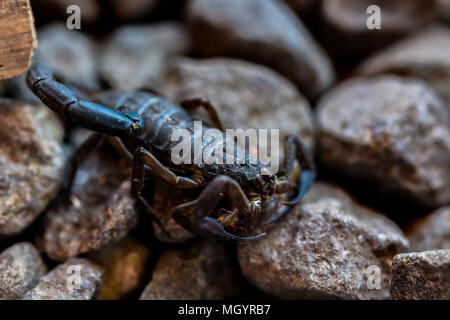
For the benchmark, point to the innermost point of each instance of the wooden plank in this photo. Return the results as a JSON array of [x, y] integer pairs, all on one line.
[[17, 37]]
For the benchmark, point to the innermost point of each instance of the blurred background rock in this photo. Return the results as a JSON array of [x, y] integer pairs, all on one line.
[[373, 105]]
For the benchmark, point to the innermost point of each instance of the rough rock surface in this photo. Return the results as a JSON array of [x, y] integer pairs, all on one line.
[[130, 10], [162, 204], [390, 131], [432, 232], [246, 95], [266, 32], [100, 210], [32, 161], [345, 29], [201, 272], [70, 54], [325, 248], [125, 264], [21, 267], [76, 279], [136, 56], [424, 55], [421, 275]]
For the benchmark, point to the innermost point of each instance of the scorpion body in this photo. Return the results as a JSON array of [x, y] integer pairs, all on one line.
[[161, 117], [140, 125]]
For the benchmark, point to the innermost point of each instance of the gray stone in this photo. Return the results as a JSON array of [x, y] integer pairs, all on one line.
[[266, 32], [327, 247], [390, 132], [32, 162], [76, 279], [345, 30], [431, 232], [21, 267], [125, 264], [421, 275], [246, 95], [70, 54], [100, 210], [201, 272], [137, 56], [423, 55]]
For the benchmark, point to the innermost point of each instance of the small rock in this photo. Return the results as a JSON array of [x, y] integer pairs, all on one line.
[[245, 95], [57, 9], [432, 232], [100, 210], [21, 267], [424, 55], [136, 56], [266, 32], [199, 273], [345, 23], [393, 133], [32, 162], [421, 275], [125, 264], [76, 279], [131, 10], [162, 204], [327, 247], [70, 54]]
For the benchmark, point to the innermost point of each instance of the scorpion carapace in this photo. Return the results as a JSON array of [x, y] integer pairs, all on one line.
[[139, 125]]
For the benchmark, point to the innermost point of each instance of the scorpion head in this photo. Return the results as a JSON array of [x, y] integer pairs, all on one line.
[[264, 184], [268, 184]]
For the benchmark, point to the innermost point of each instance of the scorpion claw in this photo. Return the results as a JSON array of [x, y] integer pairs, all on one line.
[[210, 228], [305, 180], [214, 229]]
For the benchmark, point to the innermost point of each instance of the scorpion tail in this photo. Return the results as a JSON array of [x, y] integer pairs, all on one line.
[[89, 115]]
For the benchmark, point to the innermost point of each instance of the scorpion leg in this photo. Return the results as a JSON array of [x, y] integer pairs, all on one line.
[[144, 157], [121, 149], [294, 149], [90, 144], [137, 183], [89, 115], [151, 212], [190, 104], [200, 222]]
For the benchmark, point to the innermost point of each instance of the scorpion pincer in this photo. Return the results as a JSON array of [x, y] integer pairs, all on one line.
[[139, 125]]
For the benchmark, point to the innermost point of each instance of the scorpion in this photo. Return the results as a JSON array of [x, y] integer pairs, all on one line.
[[139, 125]]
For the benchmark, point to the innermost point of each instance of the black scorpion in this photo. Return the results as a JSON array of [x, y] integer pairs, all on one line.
[[139, 126]]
